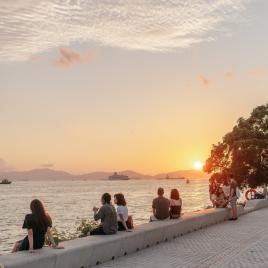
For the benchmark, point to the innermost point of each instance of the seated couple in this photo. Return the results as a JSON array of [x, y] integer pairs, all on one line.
[[163, 208], [112, 220]]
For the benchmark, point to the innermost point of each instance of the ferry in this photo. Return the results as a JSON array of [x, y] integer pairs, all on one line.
[[118, 177], [5, 181]]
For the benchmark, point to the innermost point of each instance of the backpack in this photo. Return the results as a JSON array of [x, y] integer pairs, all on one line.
[[130, 222]]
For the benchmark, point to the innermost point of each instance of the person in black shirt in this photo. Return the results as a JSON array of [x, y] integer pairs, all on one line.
[[38, 224]]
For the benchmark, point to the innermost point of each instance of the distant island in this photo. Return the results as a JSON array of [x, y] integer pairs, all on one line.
[[51, 174]]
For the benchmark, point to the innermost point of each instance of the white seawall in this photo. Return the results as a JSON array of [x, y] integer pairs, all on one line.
[[89, 251]]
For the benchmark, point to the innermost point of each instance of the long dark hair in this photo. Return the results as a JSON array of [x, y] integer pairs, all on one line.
[[174, 194], [121, 201], [42, 219]]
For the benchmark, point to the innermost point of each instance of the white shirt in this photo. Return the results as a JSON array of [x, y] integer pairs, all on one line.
[[122, 210], [174, 202]]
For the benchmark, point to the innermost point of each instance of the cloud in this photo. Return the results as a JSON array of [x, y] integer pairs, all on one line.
[[47, 165], [4, 166], [229, 75], [204, 81], [256, 72], [29, 27], [68, 57]]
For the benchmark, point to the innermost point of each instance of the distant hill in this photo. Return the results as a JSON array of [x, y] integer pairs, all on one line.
[[37, 174], [50, 174], [93, 176], [135, 175]]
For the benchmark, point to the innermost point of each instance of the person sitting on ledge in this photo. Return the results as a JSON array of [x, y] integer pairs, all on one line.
[[212, 192], [160, 207], [122, 212], [38, 224], [221, 201], [175, 204], [107, 215]]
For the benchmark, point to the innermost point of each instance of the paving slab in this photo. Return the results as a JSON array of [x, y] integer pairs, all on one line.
[[241, 243]]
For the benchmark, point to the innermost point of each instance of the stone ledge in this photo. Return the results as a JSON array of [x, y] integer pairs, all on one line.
[[89, 251]]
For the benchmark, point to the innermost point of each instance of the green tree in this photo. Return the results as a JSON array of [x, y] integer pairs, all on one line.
[[243, 152]]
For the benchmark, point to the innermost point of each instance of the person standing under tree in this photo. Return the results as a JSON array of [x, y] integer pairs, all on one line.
[[233, 198]]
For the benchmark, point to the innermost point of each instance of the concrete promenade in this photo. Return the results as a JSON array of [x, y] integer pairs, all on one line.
[[241, 243]]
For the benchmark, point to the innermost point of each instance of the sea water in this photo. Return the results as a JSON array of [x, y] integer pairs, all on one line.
[[68, 202]]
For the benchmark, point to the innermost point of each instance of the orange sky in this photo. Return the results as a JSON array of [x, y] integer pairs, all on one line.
[[146, 98]]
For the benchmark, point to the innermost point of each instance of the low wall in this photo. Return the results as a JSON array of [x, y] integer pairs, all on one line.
[[89, 251]]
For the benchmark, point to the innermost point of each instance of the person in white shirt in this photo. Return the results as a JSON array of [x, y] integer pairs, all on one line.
[[122, 212]]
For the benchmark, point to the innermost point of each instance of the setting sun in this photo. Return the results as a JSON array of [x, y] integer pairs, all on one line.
[[197, 165]]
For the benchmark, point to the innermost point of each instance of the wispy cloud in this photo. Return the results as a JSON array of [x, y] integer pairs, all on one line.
[[204, 81], [256, 72], [4, 166], [31, 27], [68, 57], [229, 75]]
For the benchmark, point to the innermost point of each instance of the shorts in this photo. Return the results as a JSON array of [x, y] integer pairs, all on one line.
[[233, 201]]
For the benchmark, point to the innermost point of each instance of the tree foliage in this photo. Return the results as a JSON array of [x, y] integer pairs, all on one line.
[[243, 152]]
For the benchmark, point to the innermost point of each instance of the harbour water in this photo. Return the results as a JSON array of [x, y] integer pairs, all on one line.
[[68, 202]]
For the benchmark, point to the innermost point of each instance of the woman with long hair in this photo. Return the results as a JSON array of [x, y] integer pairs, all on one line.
[[175, 204], [38, 225], [213, 187], [122, 212]]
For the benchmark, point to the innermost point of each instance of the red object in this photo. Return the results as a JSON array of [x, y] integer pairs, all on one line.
[[250, 194]]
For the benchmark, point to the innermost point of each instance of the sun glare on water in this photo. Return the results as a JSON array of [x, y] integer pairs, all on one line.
[[198, 165]]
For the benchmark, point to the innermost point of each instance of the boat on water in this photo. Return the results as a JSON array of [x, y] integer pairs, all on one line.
[[174, 178], [171, 178], [118, 177], [5, 181], [187, 181]]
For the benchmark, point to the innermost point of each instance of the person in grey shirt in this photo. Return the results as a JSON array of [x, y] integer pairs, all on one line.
[[107, 215], [160, 207]]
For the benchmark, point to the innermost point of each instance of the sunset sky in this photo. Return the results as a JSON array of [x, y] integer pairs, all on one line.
[[147, 85]]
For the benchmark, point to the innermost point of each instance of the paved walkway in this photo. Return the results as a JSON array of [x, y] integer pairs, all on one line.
[[241, 243]]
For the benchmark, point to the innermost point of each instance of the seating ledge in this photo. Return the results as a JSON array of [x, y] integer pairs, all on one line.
[[92, 250]]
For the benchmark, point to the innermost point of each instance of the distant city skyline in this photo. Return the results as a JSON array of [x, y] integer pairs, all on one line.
[[142, 85]]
